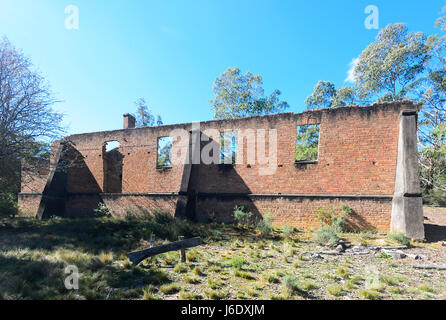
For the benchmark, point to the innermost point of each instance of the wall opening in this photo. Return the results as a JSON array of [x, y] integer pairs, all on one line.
[[164, 152], [112, 160], [307, 143], [228, 147]]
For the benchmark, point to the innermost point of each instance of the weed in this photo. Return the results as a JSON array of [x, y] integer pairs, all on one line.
[[214, 284], [369, 294], [191, 280], [190, 295], [216, 295], [149, 293], [335, 290], [171, 288], [180, 268], [426, 288], [308, 285], [265, 225], [243, 275], [287, 230], [343, 273], [382, 255], [270, 278], [237, 263], [389, 280], [242, 217], [198, 272], [290, 286], [401, 238]]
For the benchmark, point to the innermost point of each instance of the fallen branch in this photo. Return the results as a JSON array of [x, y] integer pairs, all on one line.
[[429, 266], [331, 252], [357, 253], [387, 248], [138, 256]]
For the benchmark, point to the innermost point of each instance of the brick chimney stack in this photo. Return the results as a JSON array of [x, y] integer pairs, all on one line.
[[129, 121]]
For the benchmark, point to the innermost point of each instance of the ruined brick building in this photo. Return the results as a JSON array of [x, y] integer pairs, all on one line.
[[366, 159]]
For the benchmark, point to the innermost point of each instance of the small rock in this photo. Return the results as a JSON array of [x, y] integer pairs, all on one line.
[[443, 243], [360, 247], [316, 256], [340, 248]]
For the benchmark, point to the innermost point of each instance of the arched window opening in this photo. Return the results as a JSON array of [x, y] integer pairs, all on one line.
[[112, 167]]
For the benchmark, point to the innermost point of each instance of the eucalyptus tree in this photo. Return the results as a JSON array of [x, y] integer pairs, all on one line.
[[241, 95]]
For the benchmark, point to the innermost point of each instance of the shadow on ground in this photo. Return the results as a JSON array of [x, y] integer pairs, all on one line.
[[434, 232]]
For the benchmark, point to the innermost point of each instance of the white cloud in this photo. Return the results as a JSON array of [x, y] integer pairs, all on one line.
[[351, 71]]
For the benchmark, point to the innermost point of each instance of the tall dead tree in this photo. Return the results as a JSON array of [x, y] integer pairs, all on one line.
[[28, 122]]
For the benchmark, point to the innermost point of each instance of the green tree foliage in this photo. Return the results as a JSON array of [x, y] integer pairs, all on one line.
[[441, 22], [401, 65], [392, 66], [164, 152], [431, 95], [307, 143], [144, 117], [241, 95], [325, 95]]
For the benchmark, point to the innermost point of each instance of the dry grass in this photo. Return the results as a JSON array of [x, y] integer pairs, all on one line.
[[234, 263]]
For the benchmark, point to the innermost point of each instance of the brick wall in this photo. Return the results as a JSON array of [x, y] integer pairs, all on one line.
[[357, 160]]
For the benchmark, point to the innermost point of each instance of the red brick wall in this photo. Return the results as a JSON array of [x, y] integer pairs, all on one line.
[[367, 213], [357, 156]]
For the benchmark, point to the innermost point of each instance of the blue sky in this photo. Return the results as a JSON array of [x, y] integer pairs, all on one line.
[[170, 52]]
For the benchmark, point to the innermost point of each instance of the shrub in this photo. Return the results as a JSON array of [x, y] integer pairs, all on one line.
[[213, 284], [369, 294], [242, 217], [237, 263], [102, 210], [162, 217], [191, 280], [287, 230], [8, 205], [149, 293], [170, 288], [270, 278], [198, 272], [308, 285], [265, 226], [334, 290], [243, 275], [332, 224], [382, 255], [180, 268], [190, 295], [400, 238], [426, 288], [326, 235], [343, 273], [215, 295], [290, 285]]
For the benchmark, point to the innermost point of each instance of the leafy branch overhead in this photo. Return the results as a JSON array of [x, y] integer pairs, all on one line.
[[241, 95]]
